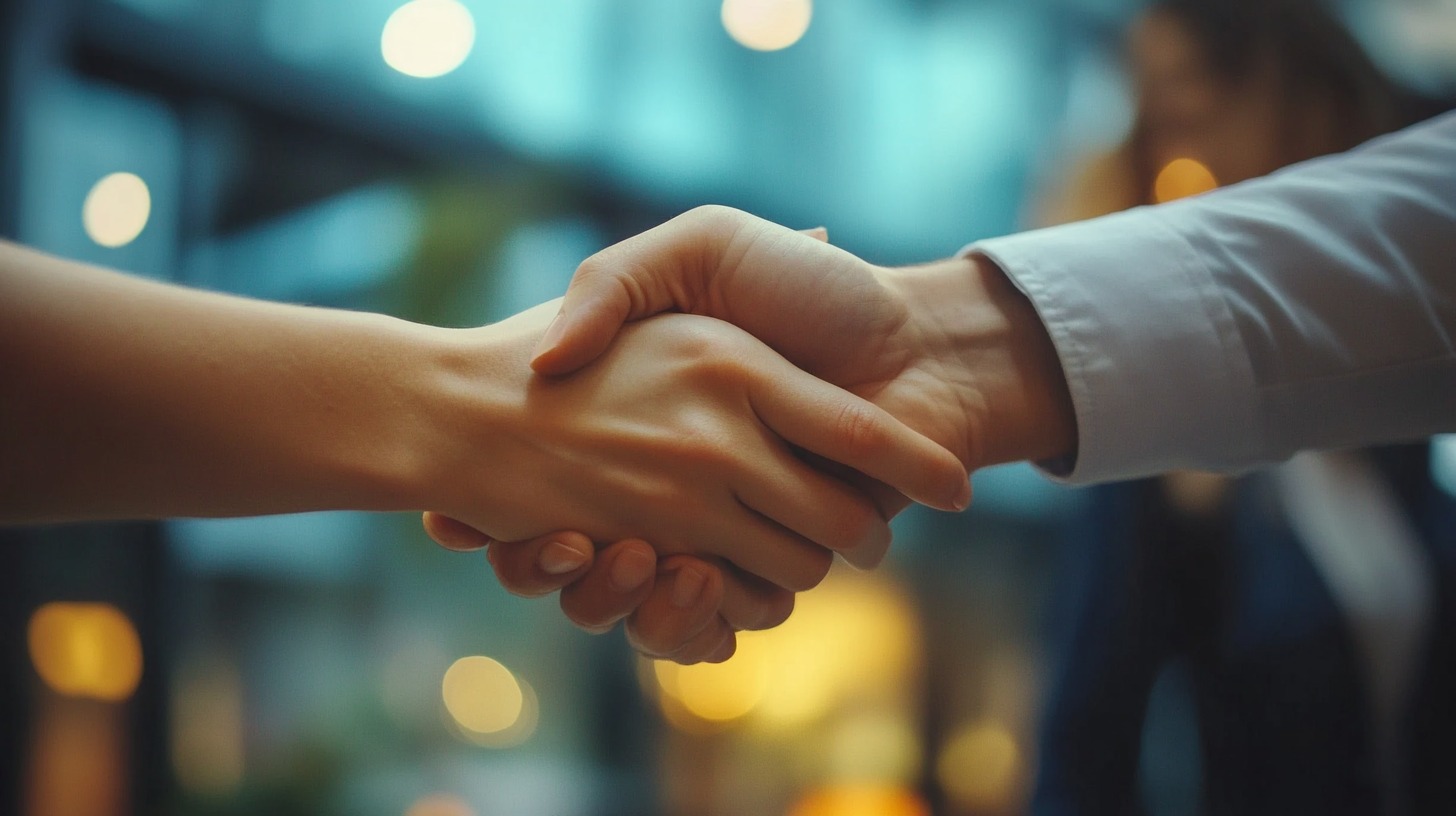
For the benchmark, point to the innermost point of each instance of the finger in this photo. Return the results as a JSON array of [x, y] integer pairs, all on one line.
[[887, 500], [542, 565], [726, 650], [751, 603], [833, 423], [761, 546], [682, 606], [715, 640], [822, 509], [661, 269], [622, 576], [454, 535], [817, 233]]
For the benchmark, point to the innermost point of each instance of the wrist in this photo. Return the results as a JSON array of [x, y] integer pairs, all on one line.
[[977, 332], [416, 414], [468, 417]]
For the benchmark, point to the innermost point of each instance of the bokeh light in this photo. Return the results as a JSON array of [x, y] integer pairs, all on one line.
[[719, 692], [980, 767], [207, 726], [440, 804], [853, 637], [482, 696], [428, 38], [86, 650], [874, 744], [1182, 178], [861, 800], [767, 25], [77, 760], [117, 209]]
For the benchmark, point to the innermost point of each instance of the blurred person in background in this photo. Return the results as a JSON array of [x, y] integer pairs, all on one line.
[[1305, 601]]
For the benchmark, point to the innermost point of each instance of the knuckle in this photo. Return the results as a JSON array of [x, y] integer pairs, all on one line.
[[715, 215], [593, 267], [858, 430]]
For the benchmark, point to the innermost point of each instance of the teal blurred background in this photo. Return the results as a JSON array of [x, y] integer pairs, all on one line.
[[451, 162]]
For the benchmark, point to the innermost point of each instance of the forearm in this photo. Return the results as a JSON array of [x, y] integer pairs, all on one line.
[[1310, 309], [127, 398]]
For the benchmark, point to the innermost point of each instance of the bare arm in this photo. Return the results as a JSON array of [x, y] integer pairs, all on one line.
[[127, 398], [124, 398]]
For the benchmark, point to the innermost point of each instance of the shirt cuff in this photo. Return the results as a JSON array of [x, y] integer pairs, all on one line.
[[1159, 376]]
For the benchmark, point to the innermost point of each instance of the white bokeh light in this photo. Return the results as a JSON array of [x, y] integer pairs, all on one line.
[[117, 209], [428, 38], [767, 25]]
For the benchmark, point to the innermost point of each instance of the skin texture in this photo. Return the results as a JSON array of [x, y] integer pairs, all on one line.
[[126, 398], [950, 348]]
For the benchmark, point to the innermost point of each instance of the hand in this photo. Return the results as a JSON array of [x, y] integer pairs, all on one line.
[[671, 613], [686, 433], [950, 348]]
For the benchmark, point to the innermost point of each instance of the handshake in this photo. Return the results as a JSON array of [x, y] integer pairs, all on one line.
[[718, 406], [721, 404]]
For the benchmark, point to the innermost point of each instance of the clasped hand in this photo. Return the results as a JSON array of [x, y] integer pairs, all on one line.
[[728, 500]]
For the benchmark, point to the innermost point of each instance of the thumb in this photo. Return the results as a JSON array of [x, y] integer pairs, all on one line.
[[665, 268], [591, 313], [454, 535]]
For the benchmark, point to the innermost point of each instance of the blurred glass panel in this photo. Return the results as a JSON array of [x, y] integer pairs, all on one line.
[[1443, 462], [317, 547], [331, 252]]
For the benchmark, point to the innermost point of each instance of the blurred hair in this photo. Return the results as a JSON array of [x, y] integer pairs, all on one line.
[[1300, 44], [1312, 50]]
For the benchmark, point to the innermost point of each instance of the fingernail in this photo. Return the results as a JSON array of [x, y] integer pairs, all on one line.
[[557, 558], [630, 570], [963, 499], [551, 337], [687, 587]]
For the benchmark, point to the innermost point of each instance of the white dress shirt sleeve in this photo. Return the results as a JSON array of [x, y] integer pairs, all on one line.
[[1311, 309]]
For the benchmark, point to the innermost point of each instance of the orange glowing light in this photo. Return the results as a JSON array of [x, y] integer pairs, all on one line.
[[1182, 178], [86, 650], [861, 800], [440, 804]]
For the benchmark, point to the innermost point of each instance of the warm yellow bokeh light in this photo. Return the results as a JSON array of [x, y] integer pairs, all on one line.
[[872, 744], [481, 695], [861, 800], [428, 38], [1182, 178], [853, 637], [980, 767], [767, 25], [440, 804], [117, 209], [718, 692], [86, 650]]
